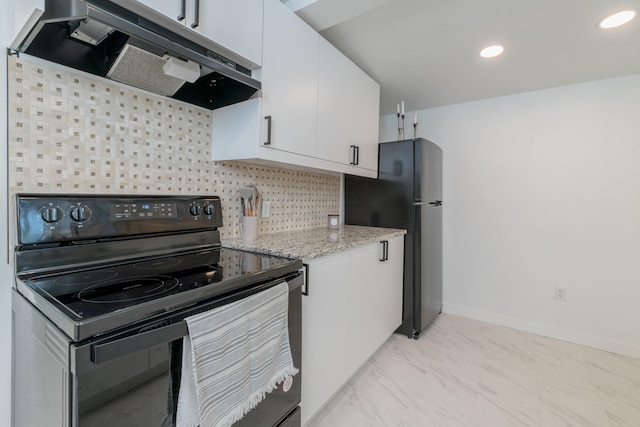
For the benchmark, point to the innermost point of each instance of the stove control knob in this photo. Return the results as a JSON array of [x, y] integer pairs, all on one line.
[[79, 213], [51, 214], [194, 210], [209, 209]]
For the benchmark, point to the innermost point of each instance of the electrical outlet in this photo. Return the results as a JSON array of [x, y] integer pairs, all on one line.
[[561, 293], [266, 208]]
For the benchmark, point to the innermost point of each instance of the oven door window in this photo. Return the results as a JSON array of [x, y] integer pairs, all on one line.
[[139, 389]]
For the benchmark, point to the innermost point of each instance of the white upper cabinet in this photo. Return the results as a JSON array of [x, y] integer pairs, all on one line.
[[235, 25], [348, 111], [317, 109], [290, 79]]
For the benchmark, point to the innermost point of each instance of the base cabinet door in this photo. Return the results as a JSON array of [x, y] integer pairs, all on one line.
[[324, 335], [363, 303], [389, 290], [375, 297]]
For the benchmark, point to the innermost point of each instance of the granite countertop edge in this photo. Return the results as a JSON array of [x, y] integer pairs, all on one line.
[[308, 244]]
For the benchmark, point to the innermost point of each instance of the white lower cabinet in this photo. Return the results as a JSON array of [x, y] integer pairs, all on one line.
[[375, 298], [354, 305], [324, 332]]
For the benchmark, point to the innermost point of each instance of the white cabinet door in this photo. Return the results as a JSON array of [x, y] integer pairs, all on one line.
[[335, 105], [290, 79], [236, 25], [348, 110], [365, 120], [363, 303], [375, 297], [324, 332], [389, 289]]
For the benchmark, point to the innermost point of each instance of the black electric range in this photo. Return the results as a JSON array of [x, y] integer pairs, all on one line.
[[94, 264]]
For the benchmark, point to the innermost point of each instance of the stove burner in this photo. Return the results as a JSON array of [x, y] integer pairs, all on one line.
[[136, 288], [85, 278], [157, 263]]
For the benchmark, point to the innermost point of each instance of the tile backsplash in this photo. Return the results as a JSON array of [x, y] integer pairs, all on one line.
[[70, 132]]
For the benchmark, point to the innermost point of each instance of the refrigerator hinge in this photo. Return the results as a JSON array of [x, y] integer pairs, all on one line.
[[414, 335]]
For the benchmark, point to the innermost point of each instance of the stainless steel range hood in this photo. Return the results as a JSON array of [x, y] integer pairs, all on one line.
[[139, 47]]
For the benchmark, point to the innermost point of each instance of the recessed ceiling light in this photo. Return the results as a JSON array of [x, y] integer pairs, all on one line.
[[617, 19], [491, 51]]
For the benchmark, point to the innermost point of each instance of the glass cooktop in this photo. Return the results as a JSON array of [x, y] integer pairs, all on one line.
[[96, 292]]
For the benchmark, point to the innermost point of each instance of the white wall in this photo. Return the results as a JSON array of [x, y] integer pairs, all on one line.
[[542, 189]]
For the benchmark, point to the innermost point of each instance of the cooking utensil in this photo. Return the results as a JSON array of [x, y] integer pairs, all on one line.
[[246, 194], [254, 200]]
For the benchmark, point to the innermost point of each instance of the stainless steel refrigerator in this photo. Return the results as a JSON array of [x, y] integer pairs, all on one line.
[[407, 194]]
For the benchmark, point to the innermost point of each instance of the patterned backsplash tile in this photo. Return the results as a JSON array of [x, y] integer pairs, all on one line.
[[70, 132]]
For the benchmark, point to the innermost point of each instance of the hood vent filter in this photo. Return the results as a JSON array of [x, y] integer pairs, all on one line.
[[139, 68]]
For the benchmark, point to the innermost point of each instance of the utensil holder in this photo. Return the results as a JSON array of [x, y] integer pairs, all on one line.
[[249, 228]]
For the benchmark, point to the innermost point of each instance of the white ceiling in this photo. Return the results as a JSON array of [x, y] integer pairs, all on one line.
[[425, 52]]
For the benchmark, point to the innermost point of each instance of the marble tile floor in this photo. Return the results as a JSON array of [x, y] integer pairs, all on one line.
[[464, 372]]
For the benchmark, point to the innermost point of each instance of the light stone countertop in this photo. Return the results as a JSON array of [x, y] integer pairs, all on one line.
[[313, 243]]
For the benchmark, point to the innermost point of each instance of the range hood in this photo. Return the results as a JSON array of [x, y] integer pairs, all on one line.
[[139, 47]]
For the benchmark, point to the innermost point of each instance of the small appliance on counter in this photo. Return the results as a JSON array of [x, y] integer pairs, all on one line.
[[407, 194]]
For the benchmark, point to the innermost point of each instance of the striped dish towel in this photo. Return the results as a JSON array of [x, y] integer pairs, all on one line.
[[233, 356]]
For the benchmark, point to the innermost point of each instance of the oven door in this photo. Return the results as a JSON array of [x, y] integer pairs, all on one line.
[[127, 379]]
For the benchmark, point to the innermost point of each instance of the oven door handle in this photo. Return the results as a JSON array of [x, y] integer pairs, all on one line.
[[101, 353]]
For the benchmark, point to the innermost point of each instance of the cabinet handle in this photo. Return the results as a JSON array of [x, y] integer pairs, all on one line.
[[196, 16], [305, 291], [268, 119], [183, 10], [355, 155], [385, 250]]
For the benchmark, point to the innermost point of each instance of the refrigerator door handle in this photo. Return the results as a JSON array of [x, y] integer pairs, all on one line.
[[436, 203]]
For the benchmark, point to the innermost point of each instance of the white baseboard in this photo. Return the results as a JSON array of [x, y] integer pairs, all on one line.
[[576, 337]]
